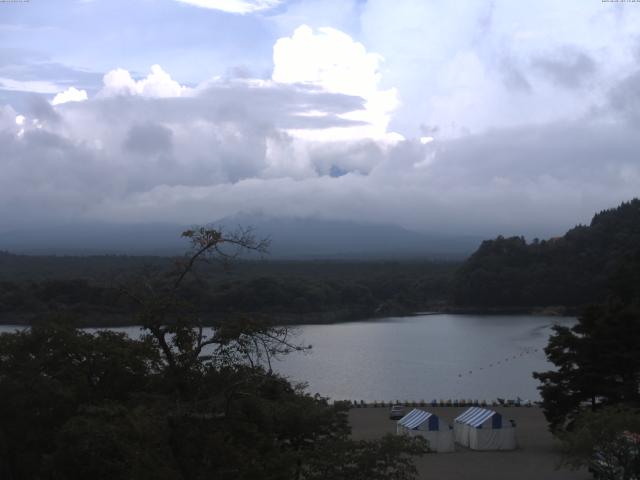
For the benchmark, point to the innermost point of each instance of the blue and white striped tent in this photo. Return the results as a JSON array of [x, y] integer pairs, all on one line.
[[426, 424], [419, 418], [483, 429], [476, 416]]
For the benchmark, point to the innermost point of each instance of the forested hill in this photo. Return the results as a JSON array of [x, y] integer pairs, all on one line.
[[89, 289], [577, 269]]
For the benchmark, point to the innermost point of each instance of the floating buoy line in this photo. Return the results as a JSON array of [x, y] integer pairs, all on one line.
[[527, 351]]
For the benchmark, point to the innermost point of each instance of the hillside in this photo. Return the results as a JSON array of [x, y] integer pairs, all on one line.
[[573, 270]]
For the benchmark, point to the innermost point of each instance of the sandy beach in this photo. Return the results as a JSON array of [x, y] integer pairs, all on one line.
[[536, 458]]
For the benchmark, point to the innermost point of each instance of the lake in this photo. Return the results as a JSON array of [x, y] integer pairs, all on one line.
[[421, 357], [425, 357]]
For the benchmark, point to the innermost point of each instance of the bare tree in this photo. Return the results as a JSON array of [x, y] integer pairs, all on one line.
[[176, 325]]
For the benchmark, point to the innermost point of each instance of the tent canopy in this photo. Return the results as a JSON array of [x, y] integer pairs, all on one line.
[[419, 418], [476, 416], [427, 425]]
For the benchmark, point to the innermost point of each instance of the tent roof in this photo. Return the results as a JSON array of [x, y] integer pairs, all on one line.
[[467, 413], [475, 416], [414, 418]]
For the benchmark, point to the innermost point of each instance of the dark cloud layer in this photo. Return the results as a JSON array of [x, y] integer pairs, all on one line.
[[625, 98], [149, 139], [568, 68]]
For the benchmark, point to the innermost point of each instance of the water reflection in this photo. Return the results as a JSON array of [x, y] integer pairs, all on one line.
[[425, 357]]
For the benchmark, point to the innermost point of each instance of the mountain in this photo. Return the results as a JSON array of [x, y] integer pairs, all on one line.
[[321, 238], [295, 238], [584, 266]]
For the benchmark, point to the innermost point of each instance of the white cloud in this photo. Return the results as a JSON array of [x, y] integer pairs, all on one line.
[[35, 86], [225, 149], [235, 6], [331, 60], [71, 94], [152, 149], [157, 84], [472, 66]]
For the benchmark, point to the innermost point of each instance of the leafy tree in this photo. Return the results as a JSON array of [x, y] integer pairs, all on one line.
[[112, 442], [366, 460], [48, 372], [182, 402], [606, 441]]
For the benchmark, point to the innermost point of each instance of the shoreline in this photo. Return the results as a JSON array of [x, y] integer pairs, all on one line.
[[118, 320]]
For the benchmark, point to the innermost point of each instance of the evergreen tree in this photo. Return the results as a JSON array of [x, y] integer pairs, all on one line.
[[598, 362]]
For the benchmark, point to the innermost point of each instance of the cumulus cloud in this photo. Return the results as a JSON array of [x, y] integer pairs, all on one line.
[[226, 149], [451, 61], [71, 94], [316, 139], [332, 60], [235, 6], [137, 135], [156, 84]]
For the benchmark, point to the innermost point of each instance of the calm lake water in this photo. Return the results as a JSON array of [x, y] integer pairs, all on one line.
[[421, 357], [425, 357]]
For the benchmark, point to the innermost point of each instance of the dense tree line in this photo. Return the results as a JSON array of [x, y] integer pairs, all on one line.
[[287, 290], [573, 270]]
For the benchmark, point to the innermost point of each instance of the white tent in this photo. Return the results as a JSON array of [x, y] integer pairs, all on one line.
[[426, 424], [482, 429], [461, 429]]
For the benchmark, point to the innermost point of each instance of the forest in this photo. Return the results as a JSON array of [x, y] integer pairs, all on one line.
[[91, 288], [574, 270]]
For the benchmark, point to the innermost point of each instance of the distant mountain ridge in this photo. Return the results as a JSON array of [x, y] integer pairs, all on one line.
[[576, 269], [298, 238], [321, 238]]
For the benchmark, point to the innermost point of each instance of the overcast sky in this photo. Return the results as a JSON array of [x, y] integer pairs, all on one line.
[[476, 116]]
